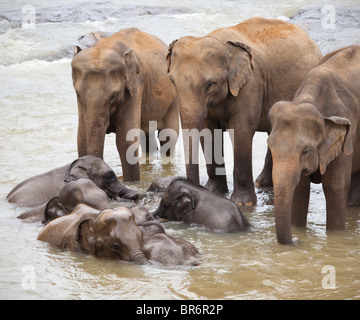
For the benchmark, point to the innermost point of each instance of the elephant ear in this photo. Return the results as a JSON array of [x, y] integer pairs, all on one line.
[[337, 140], [184, 202], [169, 53], [241, 65], [53, 209], [77, 50], [133, 71], [84, 235], [76, 171]]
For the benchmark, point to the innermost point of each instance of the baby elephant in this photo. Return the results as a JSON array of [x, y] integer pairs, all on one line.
[[111, 233], [160, 247], [75, 192], [194, 204], [40, 189]]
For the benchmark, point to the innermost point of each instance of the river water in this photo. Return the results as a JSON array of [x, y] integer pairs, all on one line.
[[38, 133]]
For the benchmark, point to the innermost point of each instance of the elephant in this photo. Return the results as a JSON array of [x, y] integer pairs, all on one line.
[[228, 80], [75, 192], [121, 84], [158, 246], [161, 184], [315, 138], [42, 188], [194, 204], [109, 234]]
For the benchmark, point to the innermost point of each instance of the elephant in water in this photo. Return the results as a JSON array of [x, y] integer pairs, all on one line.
[[128, 234], [111, 233], [229, 79], [121, 85], [158, 246], [40, 189], [194, 204], [315, 138], [81, 191]]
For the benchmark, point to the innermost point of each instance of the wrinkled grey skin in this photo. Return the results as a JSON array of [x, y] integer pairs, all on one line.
[[158, 246], [109, 234], [40, 189], [75, 192], [194, 204]]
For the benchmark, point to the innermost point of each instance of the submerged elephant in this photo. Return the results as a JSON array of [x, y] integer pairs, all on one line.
[[121, 85], [229, 79], [158, 246], [81, 191], [111, 233], [194, 204], [315, 138], [40, 189]]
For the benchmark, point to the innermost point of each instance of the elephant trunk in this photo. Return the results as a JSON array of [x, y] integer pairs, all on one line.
[[285, 179], [193, 116], [139, 258], [91, 131]]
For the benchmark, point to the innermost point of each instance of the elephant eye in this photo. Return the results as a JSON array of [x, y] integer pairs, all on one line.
[[306, 151], [110, 176], [117, 248], [209, 86], [113, 97], [164, 206]]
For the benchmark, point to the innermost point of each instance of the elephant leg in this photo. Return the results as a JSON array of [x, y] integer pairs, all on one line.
[[130, 167], [244, 191], [265, 177], [128, 139], [81, 136], [336, 182], [300, 203], [353, 198], [170, 129], [215, 164]]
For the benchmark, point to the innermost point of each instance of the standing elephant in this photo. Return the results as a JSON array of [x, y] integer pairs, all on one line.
[[121, 84], [40, 189], [315, 138], [229, 79], [159, 246], [111, 233], [194, 204], [81, 191]]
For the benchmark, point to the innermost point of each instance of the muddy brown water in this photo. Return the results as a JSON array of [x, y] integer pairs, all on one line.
[[38, 133]]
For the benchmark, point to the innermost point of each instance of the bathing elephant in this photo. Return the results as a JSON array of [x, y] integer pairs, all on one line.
[[194, 204], [315, 138], [121, 84], [111, 233], [40, 189], [229, 79], [75, 192], [158, 246]]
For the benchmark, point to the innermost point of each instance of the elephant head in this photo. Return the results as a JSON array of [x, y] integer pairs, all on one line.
[[105, 80], [205, 71], [95, 169], [113, 235], [176, 202], [75, 192], [301, 142]]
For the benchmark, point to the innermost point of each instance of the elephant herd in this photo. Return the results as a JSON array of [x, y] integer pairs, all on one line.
[[260, 75]]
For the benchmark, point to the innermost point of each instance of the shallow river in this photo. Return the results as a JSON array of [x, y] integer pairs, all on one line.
[[38, 133]]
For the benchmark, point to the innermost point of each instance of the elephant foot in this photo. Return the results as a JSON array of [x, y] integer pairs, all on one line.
[[243, 198], [126, 193], [264, 180], [218, 186]]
